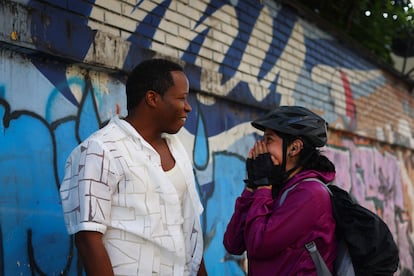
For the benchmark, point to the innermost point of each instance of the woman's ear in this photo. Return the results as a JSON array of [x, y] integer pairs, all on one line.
[[295, 148]]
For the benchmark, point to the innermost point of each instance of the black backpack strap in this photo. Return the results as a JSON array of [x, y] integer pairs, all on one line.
[[343, 262]]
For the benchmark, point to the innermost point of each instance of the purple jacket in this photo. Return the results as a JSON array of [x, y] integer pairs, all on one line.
[[275, 236]]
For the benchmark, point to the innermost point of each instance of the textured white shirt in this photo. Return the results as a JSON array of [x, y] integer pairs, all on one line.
[[114, 184]]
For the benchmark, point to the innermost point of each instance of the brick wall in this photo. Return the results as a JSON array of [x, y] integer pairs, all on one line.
[[62, 70]]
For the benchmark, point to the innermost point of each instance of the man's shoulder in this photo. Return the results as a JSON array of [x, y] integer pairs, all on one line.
[[109, 132]]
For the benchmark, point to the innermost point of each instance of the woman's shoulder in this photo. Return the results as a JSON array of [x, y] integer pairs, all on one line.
[[313, 176], [310, 182]]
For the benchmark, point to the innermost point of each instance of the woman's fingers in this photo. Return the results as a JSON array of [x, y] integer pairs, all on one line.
[[274, 160], [258, 148], [251, 153]]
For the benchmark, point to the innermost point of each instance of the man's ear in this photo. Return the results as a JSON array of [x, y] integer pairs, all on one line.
[[152, 98]]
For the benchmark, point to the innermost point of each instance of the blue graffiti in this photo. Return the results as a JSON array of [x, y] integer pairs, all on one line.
[[33, 154], [218, 117], [201, 149], [34, 149], [2, 91], [30, 201], [228, 171], [149, 25], [56, 30]]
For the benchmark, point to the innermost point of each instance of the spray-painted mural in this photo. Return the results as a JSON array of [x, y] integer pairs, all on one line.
[[48, 107]]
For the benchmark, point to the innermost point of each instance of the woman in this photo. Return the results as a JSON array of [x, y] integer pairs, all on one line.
[[284, 205]]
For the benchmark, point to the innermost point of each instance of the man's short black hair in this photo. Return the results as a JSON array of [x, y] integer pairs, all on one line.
[[152, 74]]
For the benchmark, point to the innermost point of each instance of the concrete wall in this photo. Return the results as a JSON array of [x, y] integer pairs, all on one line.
[[62, 70]]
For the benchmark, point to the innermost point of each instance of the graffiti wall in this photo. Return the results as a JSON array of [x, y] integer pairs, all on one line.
[[62, 73]]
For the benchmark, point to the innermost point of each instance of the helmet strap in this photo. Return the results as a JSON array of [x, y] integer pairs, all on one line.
[[284, 175]]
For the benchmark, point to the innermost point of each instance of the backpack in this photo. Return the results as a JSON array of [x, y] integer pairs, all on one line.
[[365, 243]]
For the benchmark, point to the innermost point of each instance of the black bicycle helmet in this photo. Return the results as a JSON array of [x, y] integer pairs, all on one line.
[[296, 121]]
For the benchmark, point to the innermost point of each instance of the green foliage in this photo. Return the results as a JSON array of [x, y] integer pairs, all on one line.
[[380, 26]]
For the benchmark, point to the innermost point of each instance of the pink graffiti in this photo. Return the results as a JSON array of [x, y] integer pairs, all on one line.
[[374, 179]]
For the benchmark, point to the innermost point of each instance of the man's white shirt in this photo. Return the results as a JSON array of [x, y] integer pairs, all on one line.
[[114, 184]]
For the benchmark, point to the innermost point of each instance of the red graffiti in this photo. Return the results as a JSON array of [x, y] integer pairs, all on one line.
[[349, 99]]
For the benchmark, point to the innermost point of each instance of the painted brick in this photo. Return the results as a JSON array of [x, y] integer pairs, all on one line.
[[110, 5], [166, 50], [15, 18], [187, 10], [119, 21], [111, 30], [170, 29], [221, 37], [108, 51], [175, 41], [282, 54], [177, 18], [228, 29], [185, 33], [98, 15], [218, 56]]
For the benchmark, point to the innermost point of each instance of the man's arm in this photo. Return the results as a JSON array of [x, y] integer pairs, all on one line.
[[93, 253], [202, 270]]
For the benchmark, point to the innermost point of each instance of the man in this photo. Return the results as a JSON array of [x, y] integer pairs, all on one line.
[[128, 193]]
